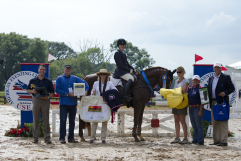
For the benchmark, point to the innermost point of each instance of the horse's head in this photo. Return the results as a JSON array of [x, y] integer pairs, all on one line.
[[155, 76], [169, 80]]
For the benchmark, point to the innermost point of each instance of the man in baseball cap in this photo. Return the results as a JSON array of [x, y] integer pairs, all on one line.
[[68, 66], [219, 85]]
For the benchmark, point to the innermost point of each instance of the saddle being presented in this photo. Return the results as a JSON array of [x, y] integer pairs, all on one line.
[[94, 109]]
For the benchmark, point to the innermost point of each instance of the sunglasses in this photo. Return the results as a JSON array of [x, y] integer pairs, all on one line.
[[179, 72], [102, 74]]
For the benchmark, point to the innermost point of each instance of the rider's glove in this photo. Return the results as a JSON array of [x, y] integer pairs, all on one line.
[[131, 71]]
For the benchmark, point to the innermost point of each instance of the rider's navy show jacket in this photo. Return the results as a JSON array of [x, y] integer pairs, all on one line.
[[122, 65]]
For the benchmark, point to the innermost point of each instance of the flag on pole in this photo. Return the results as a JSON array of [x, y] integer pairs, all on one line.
[[224, 69], [197, 58], [51, 57]]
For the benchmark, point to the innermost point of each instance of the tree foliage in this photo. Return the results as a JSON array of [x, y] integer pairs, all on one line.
[[88, 62], [138, 58], [16, 49], [60, 50]]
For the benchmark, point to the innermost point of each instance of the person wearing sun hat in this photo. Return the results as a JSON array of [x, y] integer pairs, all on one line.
[[103, 84], [196, 111], [219, 85]]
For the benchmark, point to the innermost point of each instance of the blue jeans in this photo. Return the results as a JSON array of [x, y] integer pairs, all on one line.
[[64, 110], [196, 121]]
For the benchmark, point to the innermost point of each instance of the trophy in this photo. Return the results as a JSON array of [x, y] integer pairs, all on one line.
[[40, 91]]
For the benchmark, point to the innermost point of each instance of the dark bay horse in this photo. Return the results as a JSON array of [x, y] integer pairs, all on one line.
[[140, 92]]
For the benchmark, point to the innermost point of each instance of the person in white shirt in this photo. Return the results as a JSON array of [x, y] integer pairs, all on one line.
[[103, 84]]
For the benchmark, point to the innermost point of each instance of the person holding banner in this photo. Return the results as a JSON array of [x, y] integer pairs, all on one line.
[[180, 114], [68, 102], [219, 85], [196, 111], [99, 87]]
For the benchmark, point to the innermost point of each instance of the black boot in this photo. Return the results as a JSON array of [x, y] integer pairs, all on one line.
[[126, 94]]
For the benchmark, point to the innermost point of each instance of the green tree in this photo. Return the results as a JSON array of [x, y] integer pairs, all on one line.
[[138, 58], [88, 62], [60, 50], [16, 49]]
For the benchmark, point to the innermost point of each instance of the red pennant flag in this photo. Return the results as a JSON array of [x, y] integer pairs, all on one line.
[[224, 69], [197, 58]]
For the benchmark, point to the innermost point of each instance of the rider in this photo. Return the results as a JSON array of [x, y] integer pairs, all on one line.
[[123, 68]]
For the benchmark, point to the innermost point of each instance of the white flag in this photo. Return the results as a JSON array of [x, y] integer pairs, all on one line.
[[51, 57]]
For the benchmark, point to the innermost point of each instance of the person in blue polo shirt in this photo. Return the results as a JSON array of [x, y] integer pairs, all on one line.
[[68, 102], [196, 111], [41, 104]]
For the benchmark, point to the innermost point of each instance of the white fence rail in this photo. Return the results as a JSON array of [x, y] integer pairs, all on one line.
[[121, 130]]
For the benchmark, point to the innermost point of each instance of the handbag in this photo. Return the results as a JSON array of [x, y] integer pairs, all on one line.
[[221, 111]]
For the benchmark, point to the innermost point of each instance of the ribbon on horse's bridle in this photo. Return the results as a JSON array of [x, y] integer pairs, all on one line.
[[164, 78]]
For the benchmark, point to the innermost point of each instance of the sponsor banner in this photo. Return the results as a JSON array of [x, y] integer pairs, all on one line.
[[15, 90]]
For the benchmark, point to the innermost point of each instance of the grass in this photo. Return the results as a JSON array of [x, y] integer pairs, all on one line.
[[2, 93]]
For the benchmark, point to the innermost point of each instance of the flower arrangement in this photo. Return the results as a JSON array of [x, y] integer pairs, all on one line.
[[205, 128], [23, 132], [27, 131], [230, 134]]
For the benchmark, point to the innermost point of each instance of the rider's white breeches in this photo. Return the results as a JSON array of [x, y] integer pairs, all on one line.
[[127, 76]]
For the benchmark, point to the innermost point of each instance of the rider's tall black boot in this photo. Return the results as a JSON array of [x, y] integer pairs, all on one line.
[[126, 94]]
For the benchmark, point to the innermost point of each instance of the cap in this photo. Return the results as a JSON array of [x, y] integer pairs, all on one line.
[[196, 77], [217, 64], [67, 66]]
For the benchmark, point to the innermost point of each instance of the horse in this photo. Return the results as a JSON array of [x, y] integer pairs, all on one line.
[[141, 93]]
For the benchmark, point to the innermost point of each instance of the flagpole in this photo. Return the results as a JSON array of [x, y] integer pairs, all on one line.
[[48, 58]]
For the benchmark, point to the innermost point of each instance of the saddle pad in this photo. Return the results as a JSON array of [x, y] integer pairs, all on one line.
[[94, 109], [116, 82]]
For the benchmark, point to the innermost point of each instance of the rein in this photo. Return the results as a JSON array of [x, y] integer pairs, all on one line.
[[147, 81], [164, 78]]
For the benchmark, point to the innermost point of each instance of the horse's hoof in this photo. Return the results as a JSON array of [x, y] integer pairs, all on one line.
[[142, 139], [137, 140], [82, 139]]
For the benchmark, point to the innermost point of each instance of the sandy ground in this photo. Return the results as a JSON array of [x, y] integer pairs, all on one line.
[[117, 148]]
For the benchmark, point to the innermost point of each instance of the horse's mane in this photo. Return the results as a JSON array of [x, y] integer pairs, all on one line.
[[155, 68]]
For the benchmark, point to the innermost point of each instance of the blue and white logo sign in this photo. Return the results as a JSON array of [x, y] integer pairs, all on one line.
[[204, 83], [15, 90]]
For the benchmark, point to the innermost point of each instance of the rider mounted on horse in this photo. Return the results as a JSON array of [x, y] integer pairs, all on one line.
[[123, 69]]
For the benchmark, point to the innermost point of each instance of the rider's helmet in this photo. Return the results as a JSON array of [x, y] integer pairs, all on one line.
[[121, 42]]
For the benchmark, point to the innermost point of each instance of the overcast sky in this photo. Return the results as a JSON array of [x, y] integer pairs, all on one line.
[[172, 31]]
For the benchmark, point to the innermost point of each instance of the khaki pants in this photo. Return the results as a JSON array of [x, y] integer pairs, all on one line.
[[41, 105], [220, 129], [103, 130], [127, 76]]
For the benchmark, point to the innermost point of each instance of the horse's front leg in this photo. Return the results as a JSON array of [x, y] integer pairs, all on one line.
[[140, 123], [136, 120]]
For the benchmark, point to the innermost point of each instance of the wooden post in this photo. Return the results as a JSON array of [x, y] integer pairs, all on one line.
[[121, 124], [5, 100], [155, 130], [53, 123]]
